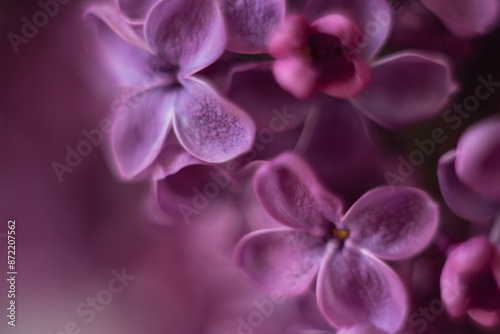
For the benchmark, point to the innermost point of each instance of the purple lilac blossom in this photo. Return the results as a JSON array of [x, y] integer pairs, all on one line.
[[470, 281], [208, 126], [469, 177], [353, 285], [330, 48]]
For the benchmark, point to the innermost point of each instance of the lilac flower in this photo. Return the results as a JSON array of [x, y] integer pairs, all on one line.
[[469, 177], [161, 56], [353, 285], [470, 281], [466, 18], [330, 48]]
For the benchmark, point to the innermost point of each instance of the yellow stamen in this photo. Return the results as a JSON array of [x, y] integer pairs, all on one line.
[[340, 234]]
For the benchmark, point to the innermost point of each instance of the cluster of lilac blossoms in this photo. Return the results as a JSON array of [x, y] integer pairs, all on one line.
[[277, 116]]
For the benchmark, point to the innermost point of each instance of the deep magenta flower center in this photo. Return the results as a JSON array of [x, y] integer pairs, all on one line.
[[330, 57], [482, 289]]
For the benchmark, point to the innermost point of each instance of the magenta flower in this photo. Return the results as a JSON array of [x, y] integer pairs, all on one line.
[[466, 18], [330, 48], [160, 56], [353, 285], [470, 281], [469, 177]]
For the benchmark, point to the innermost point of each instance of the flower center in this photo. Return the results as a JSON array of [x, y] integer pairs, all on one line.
[[330, 57], [340, 235]]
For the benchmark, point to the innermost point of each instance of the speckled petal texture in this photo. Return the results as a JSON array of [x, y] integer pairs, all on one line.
[[210, 127], [289, 191], [186, 34], [250, 23], [358, 288]]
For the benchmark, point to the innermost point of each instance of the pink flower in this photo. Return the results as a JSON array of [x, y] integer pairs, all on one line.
[[470, 281], [330, 48], [469, 177]]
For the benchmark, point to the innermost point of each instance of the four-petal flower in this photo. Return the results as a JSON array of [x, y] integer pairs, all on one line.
[[179, 40], [353, 285]]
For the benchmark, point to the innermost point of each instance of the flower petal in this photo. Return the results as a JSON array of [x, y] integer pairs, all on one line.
[[287, 71], [466, 18], [124, 51], [282, 259], [186, 34], [406, 88], [478, 158], [355, 288], [193, 193], [290, 37], [354, 85], [287, 188], [392, 222], [338, 26], [463, 263], [257, 217], [250, 23], [372, 17], [462, 200], [172, 158], [210, 127], [488, 319], [139, 130]]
